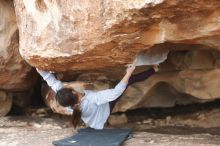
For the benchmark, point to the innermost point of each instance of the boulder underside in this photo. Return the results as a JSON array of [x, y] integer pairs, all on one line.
[[92, 41]]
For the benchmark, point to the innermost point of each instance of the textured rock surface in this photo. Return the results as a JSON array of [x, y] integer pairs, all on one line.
[[22, 99], [169, 89], [84, 35], [104, 35], [5, 103], [15, 74], [185, 77], [117, 119]]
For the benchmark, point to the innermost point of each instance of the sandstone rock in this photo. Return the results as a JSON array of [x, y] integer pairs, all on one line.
[[103, 36], [22, 99], [195, 59], [85, 35], [5, 103], [15, 73], [171, 88], [117, 119], [186, 77]]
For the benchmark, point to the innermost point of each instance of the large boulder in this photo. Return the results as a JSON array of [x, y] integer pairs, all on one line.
[[102, 36], [5, 103], [186, 77], [16, 76], [170, 89], [15, 73], [84, 35]]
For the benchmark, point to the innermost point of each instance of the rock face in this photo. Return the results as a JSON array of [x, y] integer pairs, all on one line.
[[185, 77], [15, 73], [84, 35], [170, 89], [5, 103]]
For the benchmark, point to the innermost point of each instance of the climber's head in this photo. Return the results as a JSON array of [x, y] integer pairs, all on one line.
[[67, 97]]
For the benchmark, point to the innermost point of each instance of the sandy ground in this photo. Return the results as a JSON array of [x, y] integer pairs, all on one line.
[[195, 129]]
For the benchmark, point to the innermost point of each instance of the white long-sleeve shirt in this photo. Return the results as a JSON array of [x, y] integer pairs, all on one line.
[[51, 80], [94, 105]]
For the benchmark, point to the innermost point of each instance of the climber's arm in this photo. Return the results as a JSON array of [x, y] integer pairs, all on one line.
[[128, 74], [108, 95], [51, 80]]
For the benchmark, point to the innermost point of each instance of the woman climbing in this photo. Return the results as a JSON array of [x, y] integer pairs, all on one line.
[[93, 107]]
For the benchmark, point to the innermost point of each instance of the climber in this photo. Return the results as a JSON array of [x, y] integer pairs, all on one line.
[[93, 107]]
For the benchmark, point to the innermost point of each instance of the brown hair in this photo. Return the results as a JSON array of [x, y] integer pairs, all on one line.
[[66, 97], [77, 113]]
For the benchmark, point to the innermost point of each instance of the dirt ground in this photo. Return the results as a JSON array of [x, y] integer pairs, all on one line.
[[192, 129]]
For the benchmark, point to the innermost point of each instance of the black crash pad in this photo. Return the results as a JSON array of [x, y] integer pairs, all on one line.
[[91, 137]]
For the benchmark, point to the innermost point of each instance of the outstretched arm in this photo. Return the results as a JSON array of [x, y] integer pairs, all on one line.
[[51, 80], [128, 74], [108, 95]]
